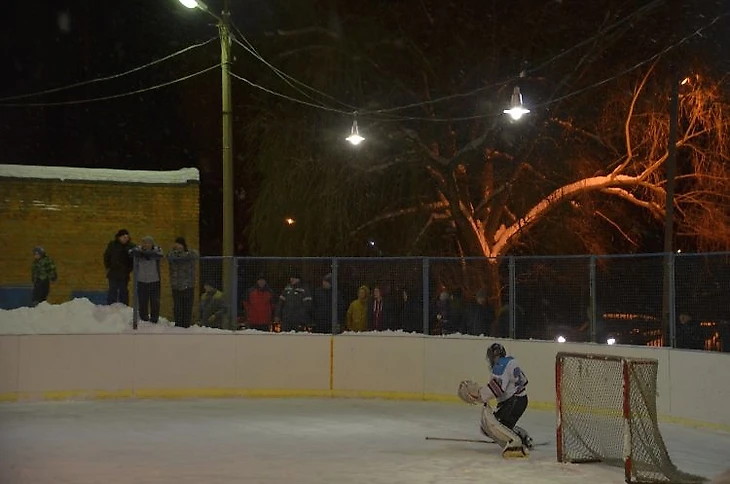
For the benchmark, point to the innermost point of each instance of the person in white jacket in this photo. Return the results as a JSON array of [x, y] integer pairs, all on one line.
[[508, 385]]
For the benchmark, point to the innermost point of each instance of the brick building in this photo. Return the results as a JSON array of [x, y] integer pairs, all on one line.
[[74, 212]]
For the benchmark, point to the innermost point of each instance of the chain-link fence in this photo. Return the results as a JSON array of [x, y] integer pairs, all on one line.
[[602, 299]]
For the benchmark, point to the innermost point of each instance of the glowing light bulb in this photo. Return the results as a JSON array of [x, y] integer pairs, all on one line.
[[355, 138], [189, 3], [517, 109]]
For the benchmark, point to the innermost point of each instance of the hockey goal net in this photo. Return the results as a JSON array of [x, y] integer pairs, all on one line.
[[606, 410]]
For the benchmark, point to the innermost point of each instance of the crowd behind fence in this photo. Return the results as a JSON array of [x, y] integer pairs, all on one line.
[[601, 299]]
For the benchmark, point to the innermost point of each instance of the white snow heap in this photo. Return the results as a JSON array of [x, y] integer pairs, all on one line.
[[63, 173]]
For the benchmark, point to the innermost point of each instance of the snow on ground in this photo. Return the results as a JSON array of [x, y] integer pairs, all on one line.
[[81, 316], [293, 441]]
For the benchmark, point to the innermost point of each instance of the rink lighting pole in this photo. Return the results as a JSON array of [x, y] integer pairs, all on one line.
[[224, 31]]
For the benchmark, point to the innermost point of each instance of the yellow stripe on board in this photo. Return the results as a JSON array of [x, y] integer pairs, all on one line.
[[190, 393]]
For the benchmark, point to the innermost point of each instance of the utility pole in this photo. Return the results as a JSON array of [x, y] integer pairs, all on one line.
[[668, 300]]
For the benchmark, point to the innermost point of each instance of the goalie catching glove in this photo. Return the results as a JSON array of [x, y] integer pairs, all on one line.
[[469, 392]]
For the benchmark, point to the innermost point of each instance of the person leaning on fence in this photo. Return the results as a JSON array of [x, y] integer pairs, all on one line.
[[119, 265], [295, 306], [357, 313], [43, 273], [212, 307], [147, 264], [181, 261]]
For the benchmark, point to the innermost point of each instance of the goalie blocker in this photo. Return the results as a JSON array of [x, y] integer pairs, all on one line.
[[507, 385]]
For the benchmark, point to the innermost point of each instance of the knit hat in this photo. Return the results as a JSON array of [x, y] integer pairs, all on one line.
[[38, 250], [148, 239], [181, 241], [122, 232]]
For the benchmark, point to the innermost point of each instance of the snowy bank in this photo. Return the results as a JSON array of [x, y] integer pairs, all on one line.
[[82, 316]]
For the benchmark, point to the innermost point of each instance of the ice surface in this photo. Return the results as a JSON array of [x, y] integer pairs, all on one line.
[[99, 174], [292, 441]]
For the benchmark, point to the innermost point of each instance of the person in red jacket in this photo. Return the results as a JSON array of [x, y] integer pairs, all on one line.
[[259, 304]]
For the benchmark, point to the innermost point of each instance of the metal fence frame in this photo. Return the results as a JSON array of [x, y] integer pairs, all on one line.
[[664, 262]]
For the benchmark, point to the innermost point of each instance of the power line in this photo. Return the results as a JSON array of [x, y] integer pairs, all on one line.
[[108, 78], [113, 96]]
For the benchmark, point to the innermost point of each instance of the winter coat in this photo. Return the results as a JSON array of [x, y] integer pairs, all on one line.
[[322, 301], [379, 317], [43, 269], [118, 261], [295, 306], [182, 268], [478, 319], [357, 313], [259, 304], [212, 309], [409, 315], [147, 264]]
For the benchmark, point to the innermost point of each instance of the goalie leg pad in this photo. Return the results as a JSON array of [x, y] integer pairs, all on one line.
[[491, 427]]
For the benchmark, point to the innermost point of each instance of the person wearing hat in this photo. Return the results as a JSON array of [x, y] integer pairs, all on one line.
[[213, 309], [147, 257], [43, 272], [119, 265], [259, 304], [295, 305], [182, 263]]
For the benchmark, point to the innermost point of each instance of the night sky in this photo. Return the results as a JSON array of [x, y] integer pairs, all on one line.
[[49, 44]]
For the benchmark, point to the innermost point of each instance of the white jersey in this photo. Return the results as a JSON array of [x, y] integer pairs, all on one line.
[[507, 380]]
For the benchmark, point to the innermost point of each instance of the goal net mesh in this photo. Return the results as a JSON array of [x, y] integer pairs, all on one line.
[[607, 413]]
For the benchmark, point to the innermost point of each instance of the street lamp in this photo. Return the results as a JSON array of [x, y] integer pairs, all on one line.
[[516, 109], [224, 32], [355, 137]]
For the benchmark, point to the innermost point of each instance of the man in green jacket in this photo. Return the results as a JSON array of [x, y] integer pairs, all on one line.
[[43, 272]]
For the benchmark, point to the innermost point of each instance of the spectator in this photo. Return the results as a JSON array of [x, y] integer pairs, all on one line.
[[455, 322], [181, 260], [212, 307], [259, 304], [408, 312], [479, 316], [43, 272], [377, 313], [295, 306], [118, 264], [443, 305], [147, 264], [689, 334], [357, 313], [322, 301]]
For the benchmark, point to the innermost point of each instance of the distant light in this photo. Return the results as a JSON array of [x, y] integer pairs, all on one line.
[[561, 339], [290, 221], [371, 243], [517, 108], [679, 251], [189, 3], [685, 81], [611, 341], [355, 138]]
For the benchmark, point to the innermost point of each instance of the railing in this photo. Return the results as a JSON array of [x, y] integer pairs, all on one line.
[[601, 299]]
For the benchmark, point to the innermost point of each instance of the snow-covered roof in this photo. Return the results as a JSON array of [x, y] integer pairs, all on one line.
[[184, 175]]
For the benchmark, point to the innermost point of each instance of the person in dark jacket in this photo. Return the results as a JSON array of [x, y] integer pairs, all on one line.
[[379, 318], [259, 304], [322, 303], [295, 306], [147, 266], [43, 273], [408, 311], [479, 316], [119, 264], [182, 262]]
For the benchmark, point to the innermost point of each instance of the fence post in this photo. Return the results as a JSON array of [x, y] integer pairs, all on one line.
[[592, 301], [512, 305], [335, 299], [426, 296], [233, 284], [135, 293], [672, 302]]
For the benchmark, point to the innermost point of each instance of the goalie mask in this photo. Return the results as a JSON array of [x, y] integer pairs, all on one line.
[[495, 351]]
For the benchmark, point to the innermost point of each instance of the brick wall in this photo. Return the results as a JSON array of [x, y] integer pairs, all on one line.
[[75, 219]]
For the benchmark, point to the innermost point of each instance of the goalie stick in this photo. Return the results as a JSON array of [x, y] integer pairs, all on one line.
[[478, 441]]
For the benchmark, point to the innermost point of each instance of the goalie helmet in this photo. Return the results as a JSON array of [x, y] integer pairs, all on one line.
[[495, 351]]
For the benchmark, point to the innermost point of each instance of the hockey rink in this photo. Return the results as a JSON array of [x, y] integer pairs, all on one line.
[[289, 441]]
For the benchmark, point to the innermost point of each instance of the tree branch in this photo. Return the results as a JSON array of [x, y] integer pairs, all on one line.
[[654, 208], [617, 227], [427, 207]]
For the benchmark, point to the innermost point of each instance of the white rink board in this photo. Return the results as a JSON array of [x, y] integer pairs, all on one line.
[[692, 385]]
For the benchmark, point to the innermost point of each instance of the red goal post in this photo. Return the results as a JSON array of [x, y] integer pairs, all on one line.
[[606, 412]]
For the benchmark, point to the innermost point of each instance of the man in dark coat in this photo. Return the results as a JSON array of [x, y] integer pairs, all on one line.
[[295, 306], [119, 264], [322, 301]]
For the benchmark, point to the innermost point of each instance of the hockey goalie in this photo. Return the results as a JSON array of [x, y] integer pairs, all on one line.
[[507, 385]]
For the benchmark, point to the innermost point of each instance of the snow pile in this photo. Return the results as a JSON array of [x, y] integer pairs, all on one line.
[[99, 174], [82, 316]]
